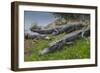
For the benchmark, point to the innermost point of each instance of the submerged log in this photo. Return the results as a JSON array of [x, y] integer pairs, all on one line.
[[58, 30]]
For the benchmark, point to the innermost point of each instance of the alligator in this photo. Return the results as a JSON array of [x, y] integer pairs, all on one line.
[[69, 38], [64, 28], [35, 36]]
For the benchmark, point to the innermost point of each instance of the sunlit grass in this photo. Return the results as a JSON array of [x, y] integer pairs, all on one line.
[[80, 49]]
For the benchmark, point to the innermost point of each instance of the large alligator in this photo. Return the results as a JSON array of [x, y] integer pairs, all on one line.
[[60, 29], [65, 40]]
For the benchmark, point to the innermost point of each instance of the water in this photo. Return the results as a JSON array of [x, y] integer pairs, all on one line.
[[40, 18]]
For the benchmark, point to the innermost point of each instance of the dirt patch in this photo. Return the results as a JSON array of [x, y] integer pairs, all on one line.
[[28, 45]]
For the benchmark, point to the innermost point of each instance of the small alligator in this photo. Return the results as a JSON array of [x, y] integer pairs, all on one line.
[[35, 36]]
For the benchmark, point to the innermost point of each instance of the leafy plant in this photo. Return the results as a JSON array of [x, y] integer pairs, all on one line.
[[35, 26]]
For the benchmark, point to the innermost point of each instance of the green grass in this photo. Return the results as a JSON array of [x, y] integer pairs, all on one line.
[[80, 49]]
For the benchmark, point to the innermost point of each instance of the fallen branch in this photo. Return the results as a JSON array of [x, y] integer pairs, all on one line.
[[86, 32]]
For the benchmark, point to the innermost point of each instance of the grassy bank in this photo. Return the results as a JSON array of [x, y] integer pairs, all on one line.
[[80, 49]]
